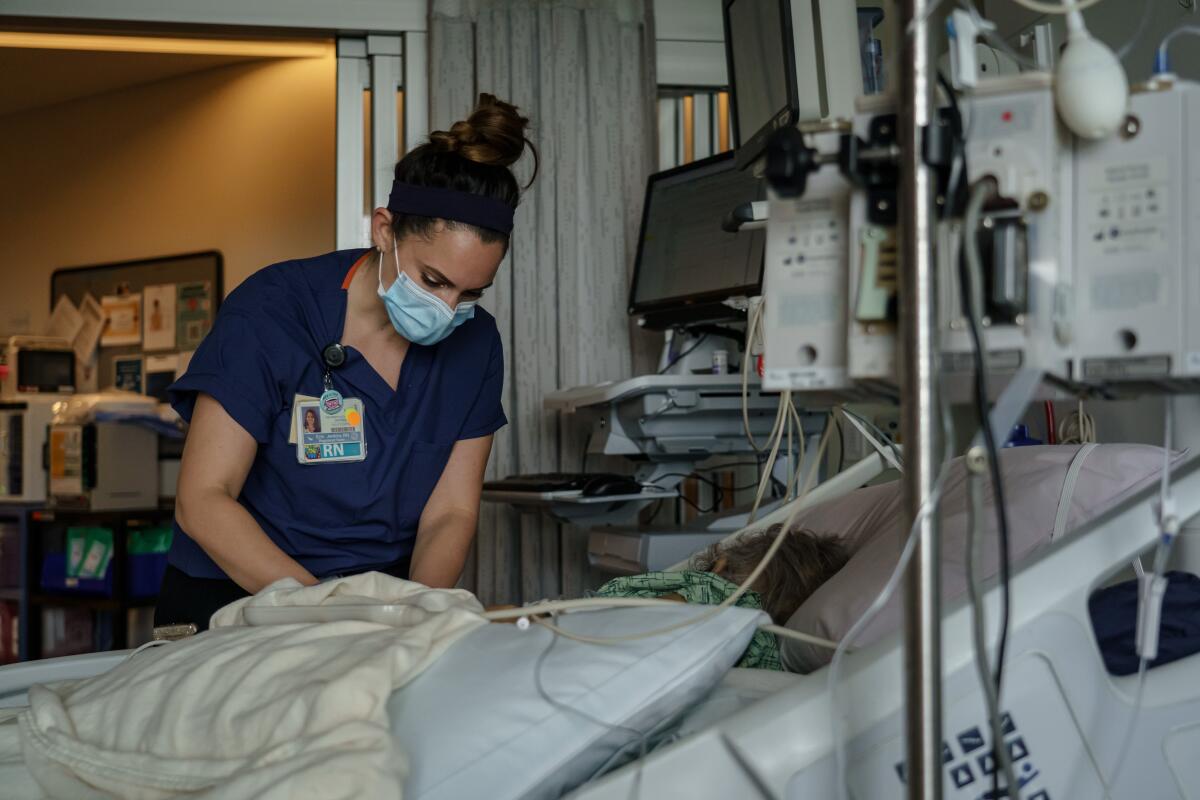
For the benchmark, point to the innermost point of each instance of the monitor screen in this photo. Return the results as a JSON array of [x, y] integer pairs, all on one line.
[[684, 257], [758, 68]]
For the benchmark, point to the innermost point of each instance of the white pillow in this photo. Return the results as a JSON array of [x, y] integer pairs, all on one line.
[[871, 523], [474, 724]]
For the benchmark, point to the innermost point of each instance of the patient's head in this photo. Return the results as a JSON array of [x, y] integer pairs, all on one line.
[[804, 562]]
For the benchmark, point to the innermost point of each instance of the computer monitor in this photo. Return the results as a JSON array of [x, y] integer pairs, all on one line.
[[761, 60], [788, 61], [686, 263]]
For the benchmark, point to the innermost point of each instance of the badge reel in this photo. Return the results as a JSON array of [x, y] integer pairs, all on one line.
[[330, 429], [331, 399]]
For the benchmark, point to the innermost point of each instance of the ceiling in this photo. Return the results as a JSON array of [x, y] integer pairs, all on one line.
[[43, 67], [43, 77]]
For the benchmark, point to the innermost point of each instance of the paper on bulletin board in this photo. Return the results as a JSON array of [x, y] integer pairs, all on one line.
[[127, 373], [124, 315], [160, 373], [89, 332], [65, 320], [193, 314], [87, 374], [158, 303]]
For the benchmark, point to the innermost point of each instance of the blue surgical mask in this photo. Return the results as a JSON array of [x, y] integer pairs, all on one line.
[[418, 315]]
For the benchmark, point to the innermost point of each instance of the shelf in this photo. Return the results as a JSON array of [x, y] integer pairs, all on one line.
[[130, 519], [92, 601], [10, 593]]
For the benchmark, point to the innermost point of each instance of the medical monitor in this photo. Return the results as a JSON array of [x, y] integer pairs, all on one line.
[[760, 58], [686, 263], [788, 61]]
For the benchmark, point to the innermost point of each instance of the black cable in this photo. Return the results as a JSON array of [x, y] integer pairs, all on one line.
[[695, 505], [981, 408], [583, 458], [882, 434], [958, 163], [703, 479], [683, 355], [966, 282], [837, 426]]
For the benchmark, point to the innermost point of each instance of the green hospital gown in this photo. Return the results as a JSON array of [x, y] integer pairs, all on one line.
[[704, 588]]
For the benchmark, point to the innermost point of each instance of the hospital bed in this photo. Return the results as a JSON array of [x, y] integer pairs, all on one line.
[[771, 735], [1066, 715]]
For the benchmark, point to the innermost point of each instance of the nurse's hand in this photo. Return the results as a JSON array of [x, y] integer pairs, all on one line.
[[448, 523], [217, 458]]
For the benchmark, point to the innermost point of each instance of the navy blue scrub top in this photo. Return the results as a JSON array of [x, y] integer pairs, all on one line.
[[265, 348]]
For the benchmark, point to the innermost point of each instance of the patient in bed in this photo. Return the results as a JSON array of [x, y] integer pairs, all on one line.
[[804, 562]]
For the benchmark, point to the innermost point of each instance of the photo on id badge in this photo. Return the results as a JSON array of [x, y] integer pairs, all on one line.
[[323, 436]]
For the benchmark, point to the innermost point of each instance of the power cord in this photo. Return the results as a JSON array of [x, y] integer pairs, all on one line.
[[684, 354], [753, 324], [754, 575], [970, 281], [976, 463], [1077, 428]]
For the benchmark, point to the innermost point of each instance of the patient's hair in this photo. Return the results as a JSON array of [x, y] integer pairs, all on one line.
[[804, 562]]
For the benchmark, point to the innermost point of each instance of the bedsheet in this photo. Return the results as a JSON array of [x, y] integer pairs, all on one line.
[[230, 714]]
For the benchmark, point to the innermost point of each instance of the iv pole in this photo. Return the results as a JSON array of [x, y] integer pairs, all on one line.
[[918, 315]]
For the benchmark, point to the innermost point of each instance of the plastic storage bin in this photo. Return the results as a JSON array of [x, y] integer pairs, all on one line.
[[144, 573], [54, 578]]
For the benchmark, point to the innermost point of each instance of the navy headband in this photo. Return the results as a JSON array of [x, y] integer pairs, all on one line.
[[473, 209]]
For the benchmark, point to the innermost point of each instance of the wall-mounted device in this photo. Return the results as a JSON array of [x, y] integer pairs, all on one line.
[[37, 365]]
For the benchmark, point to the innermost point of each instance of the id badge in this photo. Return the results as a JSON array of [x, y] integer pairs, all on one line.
[[329, 433]]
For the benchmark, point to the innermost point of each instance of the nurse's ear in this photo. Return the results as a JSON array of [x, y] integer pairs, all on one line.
[[381, 230]]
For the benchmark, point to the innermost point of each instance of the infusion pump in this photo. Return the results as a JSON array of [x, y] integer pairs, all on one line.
[[1084, 246]]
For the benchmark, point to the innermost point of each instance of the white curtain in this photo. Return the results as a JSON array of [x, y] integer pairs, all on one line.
[[583, 71]]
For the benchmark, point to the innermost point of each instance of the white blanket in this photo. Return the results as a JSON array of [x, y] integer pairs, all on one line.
[[279, 711]]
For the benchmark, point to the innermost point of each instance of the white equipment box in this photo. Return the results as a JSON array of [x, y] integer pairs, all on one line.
[[1024, 241], [805, 284], [1137, 240], [23, 426]]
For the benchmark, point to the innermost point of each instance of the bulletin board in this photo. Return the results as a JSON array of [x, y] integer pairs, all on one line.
[[159, 309]]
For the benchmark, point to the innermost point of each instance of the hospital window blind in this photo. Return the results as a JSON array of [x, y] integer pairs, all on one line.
[[692, 124]]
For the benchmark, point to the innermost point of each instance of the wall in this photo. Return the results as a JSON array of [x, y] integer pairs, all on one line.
[[690, 36], [1118, 23], [238, 159]]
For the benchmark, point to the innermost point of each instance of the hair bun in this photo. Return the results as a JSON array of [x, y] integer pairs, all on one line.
[[494, 134]]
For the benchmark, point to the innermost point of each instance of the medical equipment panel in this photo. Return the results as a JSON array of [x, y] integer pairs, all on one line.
[[37, 365], [103, 466], [1023, 237], [872, 266], [687, 264], [23, 426], [805, 283], [1137, 245]]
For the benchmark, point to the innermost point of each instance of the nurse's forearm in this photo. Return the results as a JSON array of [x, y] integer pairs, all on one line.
[[233, 539], [441, 549]]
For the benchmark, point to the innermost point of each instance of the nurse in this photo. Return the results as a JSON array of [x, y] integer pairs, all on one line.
[[342, 408]]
